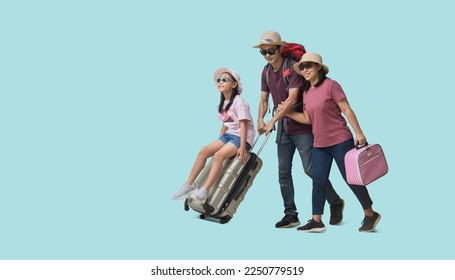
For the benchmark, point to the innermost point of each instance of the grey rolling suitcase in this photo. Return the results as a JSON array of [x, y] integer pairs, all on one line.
[[230, 189]]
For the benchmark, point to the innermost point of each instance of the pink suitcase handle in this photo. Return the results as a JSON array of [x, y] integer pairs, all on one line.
[[358, 147]]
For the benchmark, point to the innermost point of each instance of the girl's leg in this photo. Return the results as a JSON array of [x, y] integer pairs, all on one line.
[[201, 159], [198, 165], [227, 151]]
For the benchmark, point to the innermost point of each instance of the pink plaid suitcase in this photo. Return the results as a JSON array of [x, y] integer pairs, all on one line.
[[365, 164]]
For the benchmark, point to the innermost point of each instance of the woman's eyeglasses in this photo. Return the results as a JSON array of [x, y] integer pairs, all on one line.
[[223, 80], [270, 51], [307, 65]]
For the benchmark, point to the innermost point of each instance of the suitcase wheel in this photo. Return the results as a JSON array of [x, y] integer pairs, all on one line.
[[202, 216], [186, 207], [225, 219]]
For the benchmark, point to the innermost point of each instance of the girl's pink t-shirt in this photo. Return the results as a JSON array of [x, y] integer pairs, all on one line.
[[239, 110], [329, 126]]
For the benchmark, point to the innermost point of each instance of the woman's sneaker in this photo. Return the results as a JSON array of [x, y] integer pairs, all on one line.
[[200, 195], [184, 191], [369, 223], [312, 226]]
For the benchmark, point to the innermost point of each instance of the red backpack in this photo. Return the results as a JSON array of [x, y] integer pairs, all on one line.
[[291, 51]]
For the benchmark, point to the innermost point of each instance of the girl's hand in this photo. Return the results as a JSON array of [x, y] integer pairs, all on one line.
[[242, 153]]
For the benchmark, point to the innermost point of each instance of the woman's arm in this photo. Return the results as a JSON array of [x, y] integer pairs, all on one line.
[[299, 117], [286, 107], [296, 116], [352, 119]]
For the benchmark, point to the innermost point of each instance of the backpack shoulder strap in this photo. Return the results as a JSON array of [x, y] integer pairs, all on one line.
[[286, 71]]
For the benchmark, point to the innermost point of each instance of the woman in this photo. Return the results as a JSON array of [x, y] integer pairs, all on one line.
[[324, 101]]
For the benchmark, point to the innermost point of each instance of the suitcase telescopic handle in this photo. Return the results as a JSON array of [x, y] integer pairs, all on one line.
[[263, 142]]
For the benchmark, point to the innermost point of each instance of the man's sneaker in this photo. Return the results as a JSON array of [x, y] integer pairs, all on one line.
[[336, 212], [288, 221], [312, 226], [183, 191], [369, 223], [200, 195]]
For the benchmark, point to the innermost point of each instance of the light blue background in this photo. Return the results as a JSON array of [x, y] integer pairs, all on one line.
[[105, 104]]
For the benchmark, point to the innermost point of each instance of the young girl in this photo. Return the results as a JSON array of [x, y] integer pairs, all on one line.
[[236, 136], [324, 101]]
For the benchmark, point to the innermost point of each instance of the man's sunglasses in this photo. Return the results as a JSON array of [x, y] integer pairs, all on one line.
[[270, 51]]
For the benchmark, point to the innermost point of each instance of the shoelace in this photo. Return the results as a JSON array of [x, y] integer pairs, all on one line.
[[364, 219], [313, 221], [184, 188]]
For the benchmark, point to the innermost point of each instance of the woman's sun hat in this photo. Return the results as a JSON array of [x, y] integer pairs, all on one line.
[[234, 74], [311, 57]]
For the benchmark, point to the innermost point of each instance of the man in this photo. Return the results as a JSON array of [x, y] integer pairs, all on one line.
[[291, 135]]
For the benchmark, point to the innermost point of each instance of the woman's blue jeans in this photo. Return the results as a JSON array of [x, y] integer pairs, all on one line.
[[322, 159]]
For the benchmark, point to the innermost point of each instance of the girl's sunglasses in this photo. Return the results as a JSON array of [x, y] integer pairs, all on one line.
[[223, 80], [307, 65], [270, 51]]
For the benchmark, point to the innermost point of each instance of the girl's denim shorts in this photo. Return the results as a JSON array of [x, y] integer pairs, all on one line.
[[234, 139]]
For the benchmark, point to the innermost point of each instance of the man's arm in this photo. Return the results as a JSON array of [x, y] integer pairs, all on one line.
[[287, 106], [263, 106]]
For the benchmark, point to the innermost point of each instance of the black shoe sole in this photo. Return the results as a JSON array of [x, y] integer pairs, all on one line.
[[312, 230], [289, 225]]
